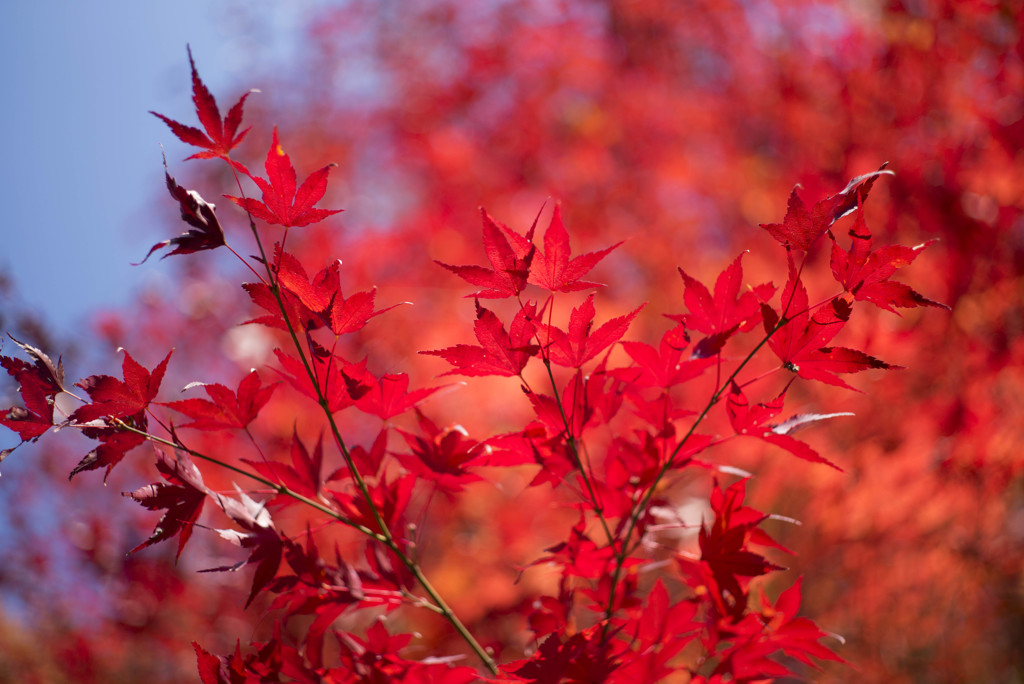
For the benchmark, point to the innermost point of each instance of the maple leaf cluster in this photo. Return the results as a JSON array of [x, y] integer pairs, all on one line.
[[613, 424]]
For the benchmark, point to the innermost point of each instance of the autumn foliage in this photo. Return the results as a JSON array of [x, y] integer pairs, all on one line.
[[568, 463]]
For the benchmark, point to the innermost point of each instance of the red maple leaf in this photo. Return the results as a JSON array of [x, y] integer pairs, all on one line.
[[586, 656], [573, 409], [268, 663], [341, 383], [796, 636], [441, 455], [802, 227], [632, 464], [183, 498], [661, 631], [282, 203], [113, 445], [35, 418], [206, 233], [765, 633], [510, 261], [725, 556], [752, 421], [545, 447], [325, 592], [227, 409], [302, 476], [367, 461], [221, 136], [720, 316], [125, 401], [580, 344], [390, 500], [263, 297], [315, 294], [724, 551], [390, 396], [39, 384], [352, 314], [214, 669], [259, 535], [323, 299], [230, 669], [547, 614], [112, 398], [375, 659], [500, 352], [799, 230], [552, 268], [662, 367], [580, 556], [662, 622], [801, 341], [865, 273]]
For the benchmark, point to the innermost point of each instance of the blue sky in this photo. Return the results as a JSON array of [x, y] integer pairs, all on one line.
[[82, 192], [81, 171]]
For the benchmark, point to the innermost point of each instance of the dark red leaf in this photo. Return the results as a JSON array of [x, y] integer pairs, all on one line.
[[206, 232], [855, 192], [39, 384], [725, 557], [183, 498], [114, 444], [303, 476], [112, 398], [797, 230], [259, 535], [221, 136], [587, 656]]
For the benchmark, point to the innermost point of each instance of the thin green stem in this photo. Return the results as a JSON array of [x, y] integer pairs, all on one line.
[[578, 462], [275, 486], [570, 437], [385, 536], [245, 261], [620, 558], [638, 510], [275, 289]]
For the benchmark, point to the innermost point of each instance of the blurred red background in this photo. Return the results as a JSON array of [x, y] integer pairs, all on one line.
[[678, 127]]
